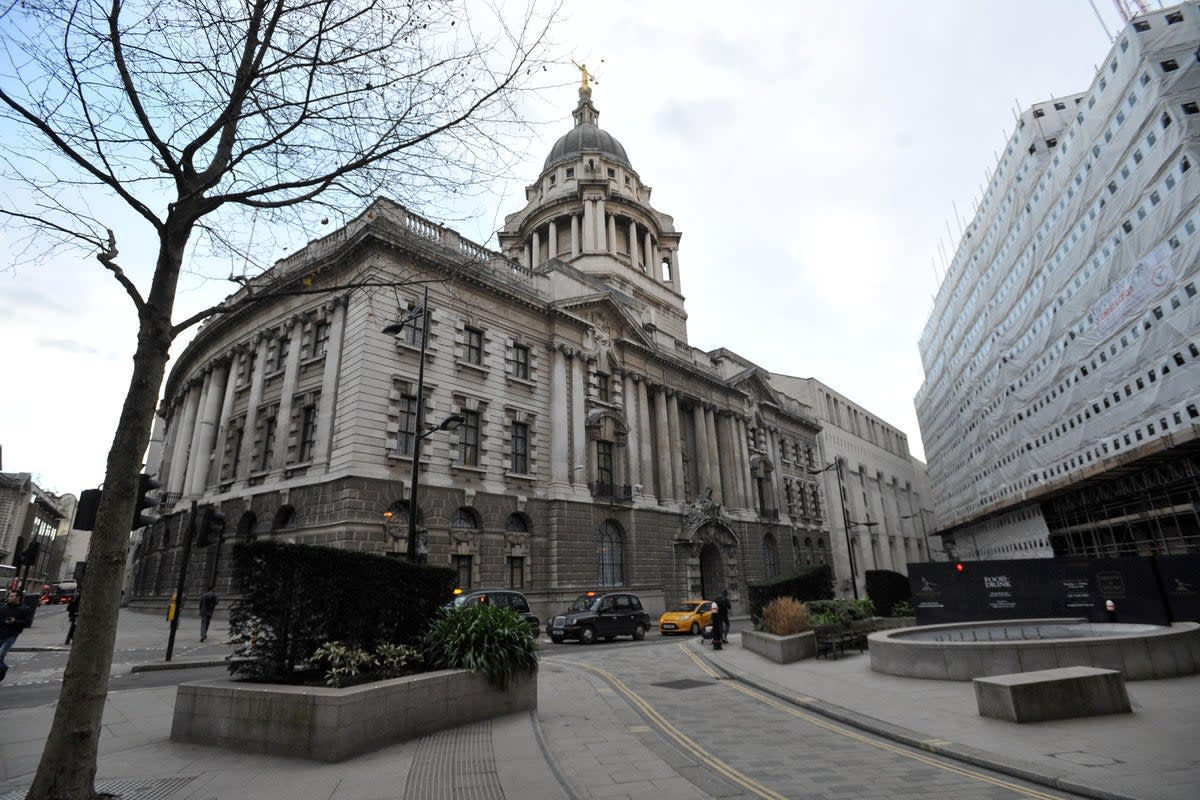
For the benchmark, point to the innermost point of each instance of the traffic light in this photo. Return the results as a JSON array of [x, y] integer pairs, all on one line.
[[146, 484], [210, 526], [85, 512]]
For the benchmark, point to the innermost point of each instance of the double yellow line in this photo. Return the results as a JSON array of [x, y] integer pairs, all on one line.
[[702, 755], [787, 708], [705, 757]]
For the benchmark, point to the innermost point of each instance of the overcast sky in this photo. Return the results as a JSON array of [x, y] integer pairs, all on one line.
[[812, 155]]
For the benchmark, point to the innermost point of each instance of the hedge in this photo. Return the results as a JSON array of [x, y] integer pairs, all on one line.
[[294, 598], [886, 588], [807, 583]]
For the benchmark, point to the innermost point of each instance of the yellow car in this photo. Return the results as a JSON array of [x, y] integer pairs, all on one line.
[[689, 616]]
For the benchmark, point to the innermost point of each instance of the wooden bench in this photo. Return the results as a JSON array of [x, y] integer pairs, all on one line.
[[1052, 694]]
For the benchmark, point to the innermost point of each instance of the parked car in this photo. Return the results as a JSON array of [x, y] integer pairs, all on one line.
[[54, 593], [690, 616], [505, 598], [601, 614]]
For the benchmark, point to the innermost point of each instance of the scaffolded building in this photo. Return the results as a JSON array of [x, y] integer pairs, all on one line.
[[1062, 358]]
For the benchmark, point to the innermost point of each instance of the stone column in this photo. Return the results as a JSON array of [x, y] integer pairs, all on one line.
[[589, 225], [336, 319], [651, 267], [675, 446], [553, 244], [633, 244], [291, 376], [612, 234], [226, 412], [537, 248], [675, 270], [578, 441], [575, 234], [633, 441], [743, 453], [643, 421], [204, 414], [700, 441], [727, 458], [662, 432], [714, 458], [186, 419], [773, 454], [258, 352], [600, 221], [211, 418], [560, 465], [526, 258]]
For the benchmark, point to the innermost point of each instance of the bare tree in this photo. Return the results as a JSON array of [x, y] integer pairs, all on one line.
[[195, 115]]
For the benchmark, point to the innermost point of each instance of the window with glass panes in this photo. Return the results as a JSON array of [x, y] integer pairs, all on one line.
[[406, 435], [320, 339], [516, 572], [414, 328], [308, 432], [604, 462], [468, 439], [268, 442], [473, 346], [281, 352], [770, 555], [462, 565], [602, 387], [520, 362], [520, 448], [612, 555]]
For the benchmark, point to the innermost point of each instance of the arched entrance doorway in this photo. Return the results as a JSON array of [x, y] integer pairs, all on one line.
[[712, 571]]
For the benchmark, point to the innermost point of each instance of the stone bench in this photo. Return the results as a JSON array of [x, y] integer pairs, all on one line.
[[1052, 694]]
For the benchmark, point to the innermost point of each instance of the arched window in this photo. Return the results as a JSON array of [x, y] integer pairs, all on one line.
[[246, 526], [808, 541], [285, 517], [612, 554], [516, 523], [464, 519], [397, 514], [770, 555]]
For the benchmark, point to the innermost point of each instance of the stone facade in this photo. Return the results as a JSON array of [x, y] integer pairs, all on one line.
[[596, 446]]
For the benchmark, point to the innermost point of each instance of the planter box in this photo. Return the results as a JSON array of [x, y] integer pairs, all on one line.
[[887, 623], [781, 649], [325, 724]]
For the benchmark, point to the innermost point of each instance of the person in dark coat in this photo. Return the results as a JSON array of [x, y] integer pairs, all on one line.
[[72, 613], [208, 604], [721, 626], [15, 617]]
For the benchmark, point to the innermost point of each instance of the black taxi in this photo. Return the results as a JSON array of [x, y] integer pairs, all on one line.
[[600, 614]]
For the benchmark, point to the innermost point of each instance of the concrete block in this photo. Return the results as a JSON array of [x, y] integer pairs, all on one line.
[[781, 649], [1163, 657], [1060, 693]]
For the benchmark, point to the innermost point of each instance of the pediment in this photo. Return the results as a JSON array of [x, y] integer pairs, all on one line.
[[610, 320]]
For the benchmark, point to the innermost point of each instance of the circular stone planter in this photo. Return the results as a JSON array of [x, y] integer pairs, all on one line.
[[965, 650]]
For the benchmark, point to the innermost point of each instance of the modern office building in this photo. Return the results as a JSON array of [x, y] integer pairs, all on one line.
[[587, 443], [1061, 398]]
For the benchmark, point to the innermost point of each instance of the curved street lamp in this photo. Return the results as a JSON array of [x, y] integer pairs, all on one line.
[[450, 423], [837, 464]]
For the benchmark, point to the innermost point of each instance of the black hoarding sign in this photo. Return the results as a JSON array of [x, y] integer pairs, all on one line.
[[1180, 576], [1037, 587]]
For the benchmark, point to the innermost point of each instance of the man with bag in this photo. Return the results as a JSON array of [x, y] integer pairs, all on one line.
[[15, 617]]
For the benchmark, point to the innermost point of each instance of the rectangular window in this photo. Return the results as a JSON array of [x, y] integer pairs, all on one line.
[[473, 346], [308, 433], [520, 448], [520, 362], [604, 462], [320, 339], [462, 565], [406, 435], [249, 368], [468, 439], [281, 354], [415, 328], [602, 387], [235, 448], [516, 572], [268, 443]]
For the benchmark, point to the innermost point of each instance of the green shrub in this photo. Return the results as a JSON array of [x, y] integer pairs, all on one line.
[[886, 587], [295, 598], [839, 611], [866, 607], [482, 638], [807, 583], [903, 609], [345, 665]]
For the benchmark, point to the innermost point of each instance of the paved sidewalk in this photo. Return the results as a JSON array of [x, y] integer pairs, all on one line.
[[1151, 754]]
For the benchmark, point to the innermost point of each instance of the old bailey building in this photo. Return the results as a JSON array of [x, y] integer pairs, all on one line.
[[589, 444]]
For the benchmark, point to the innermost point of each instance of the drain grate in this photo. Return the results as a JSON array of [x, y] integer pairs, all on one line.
[[126, 788], [683, 683]]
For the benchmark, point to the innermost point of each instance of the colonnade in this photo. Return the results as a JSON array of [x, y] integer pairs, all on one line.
[[594, 230], [653, 455], [201, 420]]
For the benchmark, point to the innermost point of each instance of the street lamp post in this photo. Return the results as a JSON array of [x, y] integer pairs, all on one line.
[[419, 433], [837, 464]]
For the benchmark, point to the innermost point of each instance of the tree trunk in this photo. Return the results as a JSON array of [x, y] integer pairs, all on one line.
[[67, 769]]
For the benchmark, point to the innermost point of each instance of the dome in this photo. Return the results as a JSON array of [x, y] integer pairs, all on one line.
[[586, 136]]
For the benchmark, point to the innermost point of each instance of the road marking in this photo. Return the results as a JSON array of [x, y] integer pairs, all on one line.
[[881, 745], [639, 728], [702, 754]]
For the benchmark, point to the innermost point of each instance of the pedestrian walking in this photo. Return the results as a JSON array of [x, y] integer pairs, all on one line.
[[72, 613], [208, 604], [721, 628], [14, 618]]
